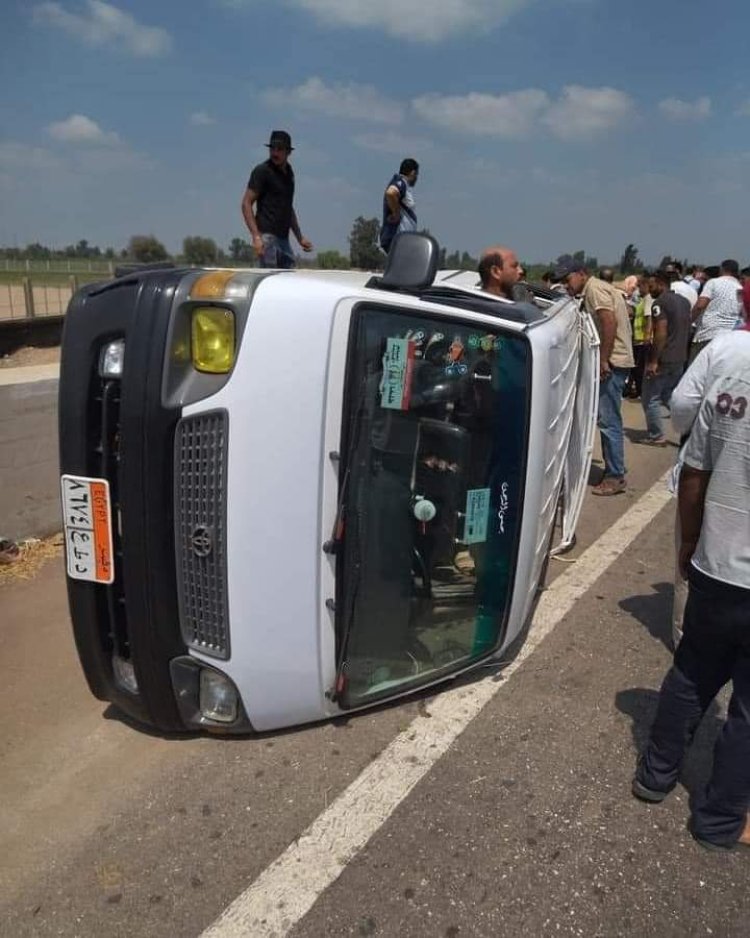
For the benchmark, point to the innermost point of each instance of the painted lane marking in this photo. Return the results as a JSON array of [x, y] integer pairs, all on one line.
[[287, 889]]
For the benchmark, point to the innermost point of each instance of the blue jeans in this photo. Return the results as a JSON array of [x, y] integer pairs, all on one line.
[[714, 650], [610, 422], [655, 394], [277, 253]]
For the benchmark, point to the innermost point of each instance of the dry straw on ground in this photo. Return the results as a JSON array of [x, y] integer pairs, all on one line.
[[33, 554]]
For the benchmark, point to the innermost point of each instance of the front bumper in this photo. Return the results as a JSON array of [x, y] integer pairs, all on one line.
[[123, 431]]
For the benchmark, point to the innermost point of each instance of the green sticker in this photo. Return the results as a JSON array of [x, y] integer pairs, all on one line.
[[477, 516]]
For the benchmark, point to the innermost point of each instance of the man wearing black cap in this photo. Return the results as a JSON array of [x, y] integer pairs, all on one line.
[[607, 307], [270, 191]]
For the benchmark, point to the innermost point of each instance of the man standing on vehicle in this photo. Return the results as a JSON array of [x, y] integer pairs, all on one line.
[[714, 556], [268, 209], [610, 313], [665, 363], [399, 211]]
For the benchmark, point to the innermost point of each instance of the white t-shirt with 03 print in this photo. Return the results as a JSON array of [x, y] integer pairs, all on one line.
[[723, 310], [720, 444]]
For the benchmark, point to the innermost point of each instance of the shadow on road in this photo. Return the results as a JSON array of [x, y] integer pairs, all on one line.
[[654, 610], [639, 703]]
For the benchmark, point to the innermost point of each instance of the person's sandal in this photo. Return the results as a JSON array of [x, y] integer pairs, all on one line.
[[609, 487]]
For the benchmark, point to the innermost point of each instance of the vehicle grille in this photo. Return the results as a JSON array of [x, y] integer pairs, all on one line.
[[105, 464], [200, 531]]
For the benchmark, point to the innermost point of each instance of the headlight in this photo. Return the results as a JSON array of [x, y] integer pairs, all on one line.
[[218, 697], [112, 359], [212, 339]]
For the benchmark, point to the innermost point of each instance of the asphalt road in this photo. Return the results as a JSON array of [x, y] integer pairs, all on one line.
[[524, 826]]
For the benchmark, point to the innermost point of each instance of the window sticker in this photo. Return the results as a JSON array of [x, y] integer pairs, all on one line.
[[477, 516], [398, 368]]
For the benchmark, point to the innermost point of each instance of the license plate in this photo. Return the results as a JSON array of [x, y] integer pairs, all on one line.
[[87, 519]]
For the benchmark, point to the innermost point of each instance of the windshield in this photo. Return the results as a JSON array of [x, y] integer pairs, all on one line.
[[431, 494]]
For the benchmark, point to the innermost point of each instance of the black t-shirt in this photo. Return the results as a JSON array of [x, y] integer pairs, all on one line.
[[275, 190], [676, 310]]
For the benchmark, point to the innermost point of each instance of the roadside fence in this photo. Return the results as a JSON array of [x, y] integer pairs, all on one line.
[[60, 266], [26, 300]]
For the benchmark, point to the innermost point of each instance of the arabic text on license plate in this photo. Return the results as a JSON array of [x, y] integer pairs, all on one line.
[[88, 528]]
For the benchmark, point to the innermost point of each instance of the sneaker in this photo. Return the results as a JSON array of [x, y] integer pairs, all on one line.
[[713, 846], [609, 486], [659, 441], [647, 794]]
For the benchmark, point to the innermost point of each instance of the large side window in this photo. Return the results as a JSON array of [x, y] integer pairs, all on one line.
[[434, 460]]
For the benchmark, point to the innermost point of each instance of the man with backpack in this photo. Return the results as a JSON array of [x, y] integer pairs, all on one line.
[[399, 213]]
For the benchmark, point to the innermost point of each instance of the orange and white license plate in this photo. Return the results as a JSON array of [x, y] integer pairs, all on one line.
[[87, 519]]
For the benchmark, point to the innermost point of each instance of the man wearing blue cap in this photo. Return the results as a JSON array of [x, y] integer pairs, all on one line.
[[607, 307], [268, 208]]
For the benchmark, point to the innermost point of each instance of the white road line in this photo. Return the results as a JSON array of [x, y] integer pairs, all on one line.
[[286, 890], [28, 374]]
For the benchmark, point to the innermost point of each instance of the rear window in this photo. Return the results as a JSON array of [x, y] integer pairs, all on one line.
[[434, 455]]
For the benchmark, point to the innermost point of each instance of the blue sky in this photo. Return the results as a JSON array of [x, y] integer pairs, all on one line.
[[549, 125]]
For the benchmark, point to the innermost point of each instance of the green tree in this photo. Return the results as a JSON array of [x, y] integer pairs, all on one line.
[[332, 260], [629, 261], [146, 249], [199, 251], [37, 252], [241, 251], [364, 252]]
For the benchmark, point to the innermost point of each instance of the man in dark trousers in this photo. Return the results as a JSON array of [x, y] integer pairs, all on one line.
[[665, 360], [399, 208], [268, 209], [714, 556]]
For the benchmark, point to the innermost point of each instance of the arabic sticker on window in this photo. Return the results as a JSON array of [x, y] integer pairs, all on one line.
[[398, 368], [477, 516]]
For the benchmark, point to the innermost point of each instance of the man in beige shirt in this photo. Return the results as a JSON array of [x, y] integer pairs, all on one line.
[[609, 310]]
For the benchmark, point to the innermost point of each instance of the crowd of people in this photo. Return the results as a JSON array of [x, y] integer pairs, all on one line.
[[673, 338]]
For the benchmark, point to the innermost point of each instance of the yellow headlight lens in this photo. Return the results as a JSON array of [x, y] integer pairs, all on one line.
[[212, 344]]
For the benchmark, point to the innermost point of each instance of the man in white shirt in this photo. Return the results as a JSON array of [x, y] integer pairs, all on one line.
[[692, 278], [714, 504], [719, 306], [725, 355]]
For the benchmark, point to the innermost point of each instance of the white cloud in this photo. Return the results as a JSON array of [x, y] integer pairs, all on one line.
[[505, 115], [678, 110], [411, 21], [201, 119], [100, 24], [583, 112], [744, 109], [579, 112], [352, 101], [393, 142], [81, 129], [17, 155]]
